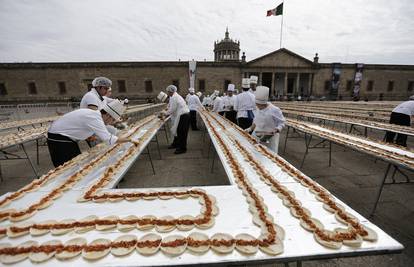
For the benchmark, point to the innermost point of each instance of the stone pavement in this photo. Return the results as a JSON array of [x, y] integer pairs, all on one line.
[[353, 177]]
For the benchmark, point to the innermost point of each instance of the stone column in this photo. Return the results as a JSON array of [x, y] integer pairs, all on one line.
[[309, 83], [259, 80], [273, 88], [297, 83], [285, 84]]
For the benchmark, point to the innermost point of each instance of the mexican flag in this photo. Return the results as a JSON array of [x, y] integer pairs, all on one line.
[[276, 11]]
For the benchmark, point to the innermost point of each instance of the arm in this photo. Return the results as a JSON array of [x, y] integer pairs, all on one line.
[[172, 106], [279, 120]]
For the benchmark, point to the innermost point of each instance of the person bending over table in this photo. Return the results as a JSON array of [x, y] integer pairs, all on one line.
[[402, 115]]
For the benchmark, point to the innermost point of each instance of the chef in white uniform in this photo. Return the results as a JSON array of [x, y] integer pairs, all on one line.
[[218, 104], [268, 120], [94, 99], [180, 118], [228, 101], [253, 83], [194, 104], [64, 133], [403, 115], [245, 105]]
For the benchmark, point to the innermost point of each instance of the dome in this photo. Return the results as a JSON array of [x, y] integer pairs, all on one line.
[[227, 49]]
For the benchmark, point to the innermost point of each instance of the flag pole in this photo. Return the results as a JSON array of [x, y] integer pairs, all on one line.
[[281, 25]]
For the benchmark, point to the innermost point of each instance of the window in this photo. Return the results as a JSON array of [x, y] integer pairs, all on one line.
[[88, 83], [202, 85], [370, 86], [390, 86], [349, 85], [121, 86], [327, 85], [148, 86], [32, 88], [177, 84], [409, 89], [226, 83], [62, 88], [3, 90]]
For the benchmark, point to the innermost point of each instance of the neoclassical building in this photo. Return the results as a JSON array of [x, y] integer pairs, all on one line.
[[285, 72]]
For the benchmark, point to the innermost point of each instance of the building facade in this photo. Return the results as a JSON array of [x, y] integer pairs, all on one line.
[[286, 73]]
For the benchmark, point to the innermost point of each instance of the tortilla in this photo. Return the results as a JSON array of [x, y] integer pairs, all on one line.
[[84, 229], [207, 225], [9, 211], [165, 197], [9, 259], [214, 210], [295, 214], [198, 237], [143, 227], [10, 233], [339, 219], [249, 249], [173, 251], [42, 256], [104, 227], [94, 255], [149, 250], [256, 219], [65, 230], [326, 207], [315, 221], [198, 190], [274, 249], [185, 227], [65, 255], [150, 197], [127, 227], [352, 243], [122, 251], [45, 204], [165, 228], [37, 232], [183, 196], [22, 217], [132, 198], [328, 244], [116, 199], [221, 248], [372, 235]]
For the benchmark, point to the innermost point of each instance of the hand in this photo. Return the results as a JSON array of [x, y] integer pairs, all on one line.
[[248, 130], [276, 131]]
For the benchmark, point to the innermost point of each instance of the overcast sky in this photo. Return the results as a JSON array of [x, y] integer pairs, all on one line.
[[367, 31]]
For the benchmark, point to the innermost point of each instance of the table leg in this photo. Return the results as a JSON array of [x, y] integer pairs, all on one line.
[[30, 161], [380, 190], [150, 158]]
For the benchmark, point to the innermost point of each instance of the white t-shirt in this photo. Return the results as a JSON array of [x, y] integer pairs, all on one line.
[[244, 102], [218, 105], [194, 102], [92, 98], [268, 119], [406, 108], [229, 102], [82, 123]]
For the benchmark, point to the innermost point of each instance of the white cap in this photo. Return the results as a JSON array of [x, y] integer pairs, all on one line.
[[216, 92], [199, 94], [261, 94], [162, 96], [171, 88], [126, 101], [101, 81], [191, 90], [245, 83], [230, 87], [116, 108], [254, 79]]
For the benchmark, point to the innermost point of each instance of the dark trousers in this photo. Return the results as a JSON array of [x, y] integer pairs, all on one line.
[[221, 113], [180, 141], [61, 148], [244, 123], [399, 119], [193, 120], [231, 116]]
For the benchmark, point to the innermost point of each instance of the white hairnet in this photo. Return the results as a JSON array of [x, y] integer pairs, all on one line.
[[101, 81], [171, 88]]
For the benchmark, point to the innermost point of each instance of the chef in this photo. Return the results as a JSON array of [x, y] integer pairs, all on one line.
[[253, 83], [206, 99], [245, 104], [180, 118], [94, 99], [268, 120], [218, 104], [403, 115], [64, 133], [230, 113], [193, 105]]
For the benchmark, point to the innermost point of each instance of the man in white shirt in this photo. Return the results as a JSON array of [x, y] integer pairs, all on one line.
[[402, 115], [193, 105], [218, 104], [64, 133], [253, 83], [94, 99], [268, 120], [245, 104], [180, 118], [228, 101]]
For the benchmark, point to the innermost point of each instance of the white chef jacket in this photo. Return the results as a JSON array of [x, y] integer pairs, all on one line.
[[218, 104], [176, 107], [229, 102], [92, 98], [205, 101], [194, 102], [82, 123], [406, 108], [243, 102], [268, 119]]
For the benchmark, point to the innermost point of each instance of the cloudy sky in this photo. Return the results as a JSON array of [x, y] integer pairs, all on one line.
[[368, 31]]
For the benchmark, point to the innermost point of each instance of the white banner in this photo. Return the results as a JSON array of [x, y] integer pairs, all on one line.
[[191, 72]]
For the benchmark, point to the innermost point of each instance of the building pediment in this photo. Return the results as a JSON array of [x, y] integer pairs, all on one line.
[[280, 58]]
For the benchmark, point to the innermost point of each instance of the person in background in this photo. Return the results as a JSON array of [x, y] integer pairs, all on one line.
[[193, 104], [206, 100], [94, 99], [245, 104], [218, 104], [180, 118], [253, 83], [230, 113], [64, 133], [402, 115], [268, 120]]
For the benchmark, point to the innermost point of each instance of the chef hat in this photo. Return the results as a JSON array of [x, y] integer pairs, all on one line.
[[101, 81], [171, 88], [261, 94], [199, 94], [216, 92], [115, 108], [162, 96], [245, 83], [230, 87], [253, 79], [191, 90], [126, 101]]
